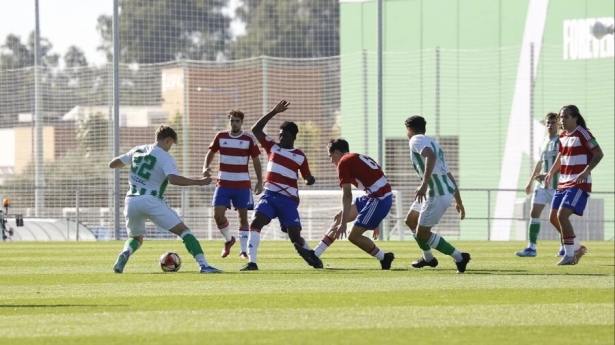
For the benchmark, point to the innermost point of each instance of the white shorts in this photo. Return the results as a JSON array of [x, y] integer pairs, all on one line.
[[542, 196], [416, 206], [138, 209], [433, 209]]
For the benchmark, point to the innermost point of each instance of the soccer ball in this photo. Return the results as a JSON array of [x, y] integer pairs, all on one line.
[[170, 262]]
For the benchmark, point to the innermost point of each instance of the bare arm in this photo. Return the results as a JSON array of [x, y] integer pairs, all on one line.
[[596, 158], [116, 163], [430, 163], [556, 165], [340, 232], [258, 127], [420, 193], [458, 204], [258, 170], [535, 172], [554, 169], [535, 175], [179, 180], [209, 157], [457, 193], [598, 155], [346, 200]]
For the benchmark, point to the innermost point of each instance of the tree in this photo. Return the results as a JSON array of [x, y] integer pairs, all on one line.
[[292, 28], [75, 57], [153, 31], [92, 134], [15, 54], [82, 167]]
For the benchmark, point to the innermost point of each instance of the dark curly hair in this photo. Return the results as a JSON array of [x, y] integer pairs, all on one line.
[[290, 127], [417, 123]]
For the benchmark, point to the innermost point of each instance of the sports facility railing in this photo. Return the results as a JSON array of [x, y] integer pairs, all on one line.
[[77, 208], [65, 114]]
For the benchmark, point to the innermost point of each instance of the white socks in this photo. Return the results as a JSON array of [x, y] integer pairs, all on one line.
[[254, 239]]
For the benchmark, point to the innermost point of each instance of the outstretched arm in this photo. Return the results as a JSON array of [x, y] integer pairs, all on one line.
[[258, 127], [123, 160], [116, 163], [179, 180]]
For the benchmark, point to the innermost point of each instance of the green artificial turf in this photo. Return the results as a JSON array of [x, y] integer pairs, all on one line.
[[67, 293]]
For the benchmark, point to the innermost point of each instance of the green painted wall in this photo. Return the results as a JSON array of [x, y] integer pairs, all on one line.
[[479, 48]]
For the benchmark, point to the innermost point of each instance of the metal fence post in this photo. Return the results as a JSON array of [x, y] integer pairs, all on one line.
[[365, 105], [265, 70], [531, 112], [380, 15], [39, 172], [488, 214], [185, 139], [437, 96], [116, 116], [77, 202]]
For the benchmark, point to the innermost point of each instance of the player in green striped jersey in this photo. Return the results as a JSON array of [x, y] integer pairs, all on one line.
[[436, 192], [542, 194]]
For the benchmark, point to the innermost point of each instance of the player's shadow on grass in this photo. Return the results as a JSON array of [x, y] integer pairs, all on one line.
[[59, 305], [343, 269], [521, 273]]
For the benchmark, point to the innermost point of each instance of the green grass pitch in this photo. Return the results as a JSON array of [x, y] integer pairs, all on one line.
[[66, 293]]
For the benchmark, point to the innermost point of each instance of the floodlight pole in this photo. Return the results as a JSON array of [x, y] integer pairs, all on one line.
[[380, 86], [39, 173], [116, 117]]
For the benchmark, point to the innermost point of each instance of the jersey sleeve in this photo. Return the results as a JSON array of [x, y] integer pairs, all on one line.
[[305, 168], [446, 168], [126, 158], [267, 143], [418, 144], [170, 167], [589, 143], [254, 150], [215, 144], [343, 172]]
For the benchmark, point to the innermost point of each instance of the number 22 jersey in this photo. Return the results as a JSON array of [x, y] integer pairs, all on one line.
[[149, 167]]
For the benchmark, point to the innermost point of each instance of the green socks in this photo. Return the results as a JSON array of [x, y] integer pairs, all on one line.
[[192, 244], [131, 245], [424, 246], [440, 244], [534, 230]]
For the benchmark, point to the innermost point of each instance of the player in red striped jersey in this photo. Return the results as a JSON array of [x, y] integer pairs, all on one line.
[[233, 185], [579, 154], [367, 211], [281, 197]]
